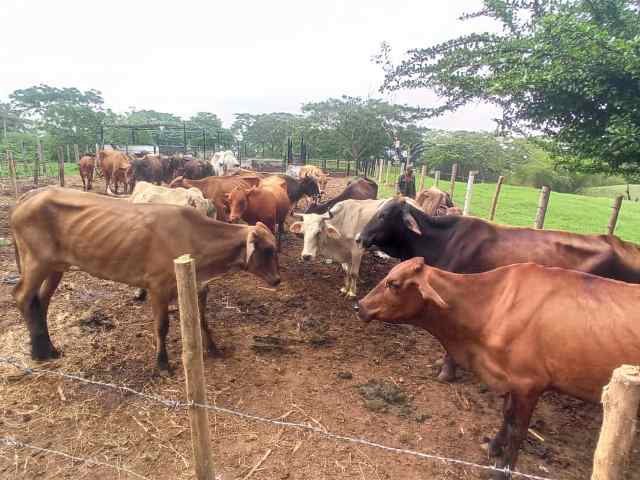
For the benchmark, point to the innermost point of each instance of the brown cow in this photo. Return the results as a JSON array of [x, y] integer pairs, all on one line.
[[278, 185], [55, 228], [116, 167], [469, 245], [253, 205], [215, 189], [194, 169], [523, 329], [435, 202], [86, 165]]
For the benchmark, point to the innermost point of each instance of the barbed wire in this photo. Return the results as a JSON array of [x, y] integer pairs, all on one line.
[[175, 404], [12, 442]]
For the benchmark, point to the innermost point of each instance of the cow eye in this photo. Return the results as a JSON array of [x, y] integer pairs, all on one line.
[[391, 285]]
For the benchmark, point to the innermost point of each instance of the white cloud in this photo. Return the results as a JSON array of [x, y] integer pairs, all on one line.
[[225, 57]]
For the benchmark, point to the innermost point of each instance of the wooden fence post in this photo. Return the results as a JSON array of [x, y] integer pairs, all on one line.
[[454, 174], [386, 178], [422, 172], [68, 158], [620, 399], [61, 165], [76, 152], [37, 161], [381, 171], [185, 269], [494, 202], [12, 171], [436, 178], [542, 207], [467, 196], [615, 209]]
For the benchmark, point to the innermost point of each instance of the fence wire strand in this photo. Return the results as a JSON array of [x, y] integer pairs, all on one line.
[[175, 404], [12, 442]]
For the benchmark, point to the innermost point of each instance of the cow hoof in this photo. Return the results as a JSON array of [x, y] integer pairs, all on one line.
[[140, 295], [446, 375], [43, 350]]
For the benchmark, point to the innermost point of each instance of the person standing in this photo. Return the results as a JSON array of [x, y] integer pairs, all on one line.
[[407, 183]]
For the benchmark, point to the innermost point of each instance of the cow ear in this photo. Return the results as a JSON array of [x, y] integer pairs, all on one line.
[[333, 232], [411, 223], [429, 294], [296, 227]]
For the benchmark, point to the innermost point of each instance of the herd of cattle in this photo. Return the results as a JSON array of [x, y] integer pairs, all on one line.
[[526, 310]]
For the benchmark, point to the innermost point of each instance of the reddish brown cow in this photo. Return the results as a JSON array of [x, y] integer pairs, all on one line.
[[523, 329], [469, 245], [253, 205], [278, 185], [86, 165], [116, 168], [215, 189], [55, 228]]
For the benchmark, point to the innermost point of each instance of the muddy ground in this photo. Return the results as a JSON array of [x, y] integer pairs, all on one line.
[[327, 369]]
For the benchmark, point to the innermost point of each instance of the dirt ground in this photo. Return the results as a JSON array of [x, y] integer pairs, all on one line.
[[327, 369]]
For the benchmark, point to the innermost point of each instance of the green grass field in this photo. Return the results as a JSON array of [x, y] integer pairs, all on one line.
[[612, 191], [518, 205]]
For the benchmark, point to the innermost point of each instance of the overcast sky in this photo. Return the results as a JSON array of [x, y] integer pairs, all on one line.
[[227, 56]]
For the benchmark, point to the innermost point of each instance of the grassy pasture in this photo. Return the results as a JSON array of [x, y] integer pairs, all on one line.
[[517, 206], [612, 191]]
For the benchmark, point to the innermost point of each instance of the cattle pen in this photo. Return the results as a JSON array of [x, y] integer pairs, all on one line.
[[303, 390]]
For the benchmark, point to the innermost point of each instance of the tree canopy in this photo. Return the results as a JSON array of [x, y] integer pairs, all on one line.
[[567, 68]]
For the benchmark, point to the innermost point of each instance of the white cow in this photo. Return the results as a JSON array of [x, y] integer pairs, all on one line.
[[333, 234], [146, 192], [224, 163]]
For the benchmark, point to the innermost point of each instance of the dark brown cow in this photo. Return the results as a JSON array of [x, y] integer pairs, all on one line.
[[523, 329], [215, 189], [116, 168], [469, 245], [87, 164], [357, 189], [149, 168], [194, 169], [55, 228]]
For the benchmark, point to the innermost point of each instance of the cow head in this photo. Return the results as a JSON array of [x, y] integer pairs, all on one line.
[[237, 202], [316, 230], [401, 297], [392, 223], [309, 186], [262, 255]]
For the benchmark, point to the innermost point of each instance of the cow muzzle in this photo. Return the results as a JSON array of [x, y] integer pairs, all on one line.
[[363, 313], [306, 257]]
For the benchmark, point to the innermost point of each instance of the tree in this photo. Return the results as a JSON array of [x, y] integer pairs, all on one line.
[[569, 69], [70, 115], [268, 132], [360, 128]]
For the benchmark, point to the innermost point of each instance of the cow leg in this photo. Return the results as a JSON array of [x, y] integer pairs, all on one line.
[[107, 181], [84, 184], [90, 181], [47, 289], [354, 273], [207, 340], [160, 311], [517, 415], [448, 371], [280, 232], [347, 268], [34, 313]]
